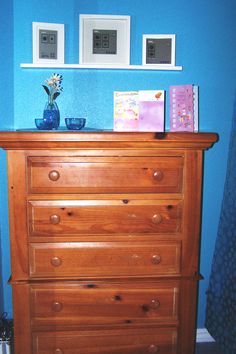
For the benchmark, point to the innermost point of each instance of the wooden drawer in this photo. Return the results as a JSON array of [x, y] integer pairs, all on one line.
[[126, 341], [80, 259], [103, 304], [105, 174], [91, 217]]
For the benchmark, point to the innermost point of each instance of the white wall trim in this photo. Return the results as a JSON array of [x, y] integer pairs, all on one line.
[[203, 336]]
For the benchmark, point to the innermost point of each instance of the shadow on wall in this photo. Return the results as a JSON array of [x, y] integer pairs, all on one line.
[[1, 287]]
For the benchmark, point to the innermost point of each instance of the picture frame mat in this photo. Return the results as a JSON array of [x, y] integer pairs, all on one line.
[[160, 37], [36, 27], [121, 24]]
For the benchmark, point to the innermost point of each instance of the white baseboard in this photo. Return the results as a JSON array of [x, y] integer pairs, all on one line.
[[203, 336]]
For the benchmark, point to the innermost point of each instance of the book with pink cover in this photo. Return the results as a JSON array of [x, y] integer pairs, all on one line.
[[182, 108], [126, 111], [151, 111], [139, 111]]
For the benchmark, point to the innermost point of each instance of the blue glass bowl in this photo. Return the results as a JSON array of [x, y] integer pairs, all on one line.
[[43, 125], [75, 123]]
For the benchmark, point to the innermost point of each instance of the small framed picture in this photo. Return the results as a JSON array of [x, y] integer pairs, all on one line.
[[104, 39], [158, 49], [48, 43]]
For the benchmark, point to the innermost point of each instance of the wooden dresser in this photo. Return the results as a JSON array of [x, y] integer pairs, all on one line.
[[105, 240]]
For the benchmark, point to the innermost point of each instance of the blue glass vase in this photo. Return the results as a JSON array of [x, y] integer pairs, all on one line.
[[51, 114]]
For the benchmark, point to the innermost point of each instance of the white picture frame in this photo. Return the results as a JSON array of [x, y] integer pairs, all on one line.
[[163, 53], [37, 30], [120, 25]]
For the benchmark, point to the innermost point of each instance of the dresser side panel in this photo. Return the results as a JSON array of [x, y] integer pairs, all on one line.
[[22, 327], [18, 215], [192, 196]]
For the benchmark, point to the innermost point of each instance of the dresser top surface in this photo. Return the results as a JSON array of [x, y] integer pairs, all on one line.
[[82, 139]]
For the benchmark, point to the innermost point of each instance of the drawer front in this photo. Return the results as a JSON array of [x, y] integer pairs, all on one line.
[[126, 341], [104, 259], [105, 174], [74, 304], [66, 217]]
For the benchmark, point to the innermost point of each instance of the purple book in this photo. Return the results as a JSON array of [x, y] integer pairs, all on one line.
[[181, 108]]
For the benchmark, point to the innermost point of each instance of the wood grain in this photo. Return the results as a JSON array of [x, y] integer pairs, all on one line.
[[105, 234]]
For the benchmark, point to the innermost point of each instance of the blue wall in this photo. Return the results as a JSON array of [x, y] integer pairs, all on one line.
[[205, 48], [6, 121]]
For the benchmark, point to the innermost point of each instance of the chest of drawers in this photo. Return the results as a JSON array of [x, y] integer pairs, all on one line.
[[104, 240]]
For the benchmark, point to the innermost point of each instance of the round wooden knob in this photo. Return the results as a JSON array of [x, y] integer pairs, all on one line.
[[57, 306], [153, 348], [55, 219], [54, 175], [157, 175], [56, 261], [155, 304], [156, 219], [58, 351], [156, 259]]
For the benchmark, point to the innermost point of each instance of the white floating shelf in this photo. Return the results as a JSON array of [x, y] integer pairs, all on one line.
[[103, 66]]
